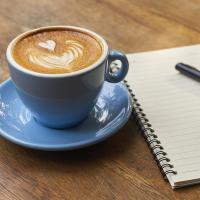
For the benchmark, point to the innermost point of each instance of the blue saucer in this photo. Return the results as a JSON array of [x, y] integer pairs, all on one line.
[[111, 112]]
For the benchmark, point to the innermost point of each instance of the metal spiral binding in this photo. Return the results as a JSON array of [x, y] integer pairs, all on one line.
[[151, 138]]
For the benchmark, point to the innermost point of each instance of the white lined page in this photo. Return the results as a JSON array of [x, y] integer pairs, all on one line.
[[171, 102]]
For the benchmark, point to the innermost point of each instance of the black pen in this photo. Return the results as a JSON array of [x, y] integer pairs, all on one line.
[[188, 70]]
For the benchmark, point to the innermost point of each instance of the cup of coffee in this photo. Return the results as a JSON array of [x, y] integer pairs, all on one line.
[[59, 71]]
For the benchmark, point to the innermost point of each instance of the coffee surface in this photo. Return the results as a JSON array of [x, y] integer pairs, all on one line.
[[57, 51]]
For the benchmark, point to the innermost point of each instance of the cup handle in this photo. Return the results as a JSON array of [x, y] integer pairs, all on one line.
[[117, 66]]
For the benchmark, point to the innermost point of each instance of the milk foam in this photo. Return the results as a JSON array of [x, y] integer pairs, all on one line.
[[57, 51], [74, 51], [49, 44]]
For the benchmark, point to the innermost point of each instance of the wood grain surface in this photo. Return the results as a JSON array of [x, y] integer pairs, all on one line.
[[121, 167]]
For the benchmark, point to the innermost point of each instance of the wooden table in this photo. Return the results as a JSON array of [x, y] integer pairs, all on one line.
[[121, 167]]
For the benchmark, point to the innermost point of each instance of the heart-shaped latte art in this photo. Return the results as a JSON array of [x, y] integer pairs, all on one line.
[[49, 44], [74, 50]]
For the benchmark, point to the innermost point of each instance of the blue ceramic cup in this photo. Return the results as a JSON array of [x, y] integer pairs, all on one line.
[[64, 100]]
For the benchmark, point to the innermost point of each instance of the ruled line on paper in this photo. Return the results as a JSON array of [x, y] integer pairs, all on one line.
[[171, 102]]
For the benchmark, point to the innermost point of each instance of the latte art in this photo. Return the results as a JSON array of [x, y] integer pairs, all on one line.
[[58, 51], [74, 51], [49, 44]]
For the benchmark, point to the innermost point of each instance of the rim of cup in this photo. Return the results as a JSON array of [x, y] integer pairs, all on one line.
[[89, 68]]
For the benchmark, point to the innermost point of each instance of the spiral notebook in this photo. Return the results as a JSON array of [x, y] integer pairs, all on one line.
[[167, 108]]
